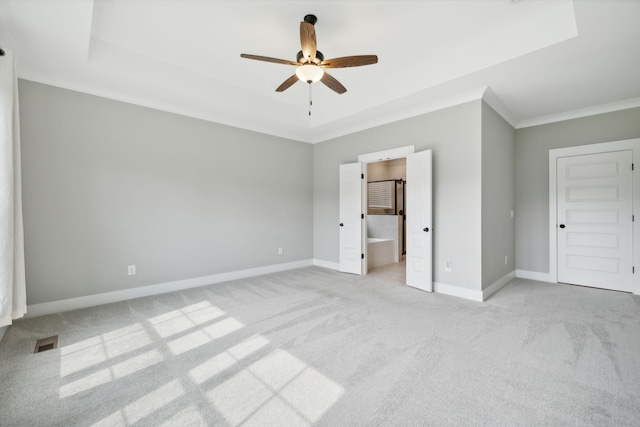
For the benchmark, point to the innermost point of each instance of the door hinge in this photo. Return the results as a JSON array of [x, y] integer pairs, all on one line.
[[361, 176], [362, 256], [633, 270], [362, 216], [633, 218]]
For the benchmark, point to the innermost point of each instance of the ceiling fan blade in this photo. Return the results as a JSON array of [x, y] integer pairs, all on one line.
[[287, 83], [308, 41], [332, 83], [267, 59], [350, 61]]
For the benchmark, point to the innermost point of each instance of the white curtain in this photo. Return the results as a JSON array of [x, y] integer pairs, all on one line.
[[13, 298]]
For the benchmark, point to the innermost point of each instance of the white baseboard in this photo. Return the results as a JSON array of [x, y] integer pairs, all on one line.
[[497, 285], [533, 275], [473, 295], [457, 291], [160, 288], [327, 264]]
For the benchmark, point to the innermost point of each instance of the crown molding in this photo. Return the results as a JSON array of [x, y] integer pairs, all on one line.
[[494, 102], [580, 113]]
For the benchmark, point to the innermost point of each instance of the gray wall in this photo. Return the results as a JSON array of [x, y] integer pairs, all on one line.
[[532, 175], [454, 136], [107, 184], [498, 196]]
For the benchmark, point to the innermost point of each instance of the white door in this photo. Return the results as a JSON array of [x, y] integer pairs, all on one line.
[[418, 209], [594, 220], [351, 219]]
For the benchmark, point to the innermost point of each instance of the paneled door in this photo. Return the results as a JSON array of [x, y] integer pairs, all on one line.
[[594, 220], [351, 219], [419, 232]]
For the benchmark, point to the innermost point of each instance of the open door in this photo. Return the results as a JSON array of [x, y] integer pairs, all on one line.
[[352, 247], [418, 210]]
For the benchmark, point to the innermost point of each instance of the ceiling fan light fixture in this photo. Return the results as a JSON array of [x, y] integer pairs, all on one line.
[[311, 64], [309, 73]]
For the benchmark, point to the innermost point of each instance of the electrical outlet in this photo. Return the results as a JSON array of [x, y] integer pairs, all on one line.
[[449, 266], [131, 270], [506, 259], [280, 251], [512, 213]]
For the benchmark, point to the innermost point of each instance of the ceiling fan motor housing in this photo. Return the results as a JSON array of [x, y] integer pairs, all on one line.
[[319, 57]]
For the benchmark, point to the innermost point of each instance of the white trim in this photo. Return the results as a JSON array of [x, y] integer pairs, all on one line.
[[456, 291], [160, 288], [470, 294], [326, 264], [533, 275], [364, 160], [393, 153], [603, 147], [497, 285], [583, 112], [364, 194], [553, 200], [494, 102]]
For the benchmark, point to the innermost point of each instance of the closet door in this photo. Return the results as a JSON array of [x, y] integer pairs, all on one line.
[[595, 228]]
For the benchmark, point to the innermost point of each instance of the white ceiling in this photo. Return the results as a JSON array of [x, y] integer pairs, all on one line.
[[535, 61]]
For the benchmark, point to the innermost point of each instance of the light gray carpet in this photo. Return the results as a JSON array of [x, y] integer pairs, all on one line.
[[316, 347]]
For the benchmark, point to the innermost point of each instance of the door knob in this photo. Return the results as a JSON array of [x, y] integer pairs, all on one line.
[[426, 229], [561, 225], [341, 225]]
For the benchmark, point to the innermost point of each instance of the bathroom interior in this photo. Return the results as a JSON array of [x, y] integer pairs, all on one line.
[[386, 181]]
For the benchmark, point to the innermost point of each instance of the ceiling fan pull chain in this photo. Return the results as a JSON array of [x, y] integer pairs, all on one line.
[[310, 99]]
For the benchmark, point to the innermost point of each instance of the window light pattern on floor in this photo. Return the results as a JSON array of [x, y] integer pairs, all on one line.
[[275, 387]]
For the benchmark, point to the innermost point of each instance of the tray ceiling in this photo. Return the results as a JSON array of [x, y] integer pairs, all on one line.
[[531, 59]]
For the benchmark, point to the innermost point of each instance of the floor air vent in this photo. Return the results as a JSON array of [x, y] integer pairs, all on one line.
[[45, 344]]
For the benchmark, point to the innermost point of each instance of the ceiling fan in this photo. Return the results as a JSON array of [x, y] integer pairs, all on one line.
[[311, 63]]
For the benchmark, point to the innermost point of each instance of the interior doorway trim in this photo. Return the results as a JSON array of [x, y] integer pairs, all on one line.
[[627, 144], [365, 159], [381, 156]]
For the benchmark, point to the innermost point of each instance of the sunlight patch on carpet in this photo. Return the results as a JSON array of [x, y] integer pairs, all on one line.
[[220, 362], [114, 372], [145, 406], [204, 335], [98, 349], [275, 386], [177, 321]]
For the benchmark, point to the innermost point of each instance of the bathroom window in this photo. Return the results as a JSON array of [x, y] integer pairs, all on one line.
[[381, 198]]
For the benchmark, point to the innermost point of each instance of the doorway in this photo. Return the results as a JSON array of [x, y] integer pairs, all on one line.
[[386, 219], [417, 208]]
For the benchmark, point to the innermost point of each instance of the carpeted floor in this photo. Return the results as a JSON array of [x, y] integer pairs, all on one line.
[[316, 347]]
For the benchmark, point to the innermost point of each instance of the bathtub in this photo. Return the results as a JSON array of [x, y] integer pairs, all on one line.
[[381, 252]]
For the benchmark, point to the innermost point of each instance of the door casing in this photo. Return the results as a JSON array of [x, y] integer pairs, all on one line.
[[394, 153]]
